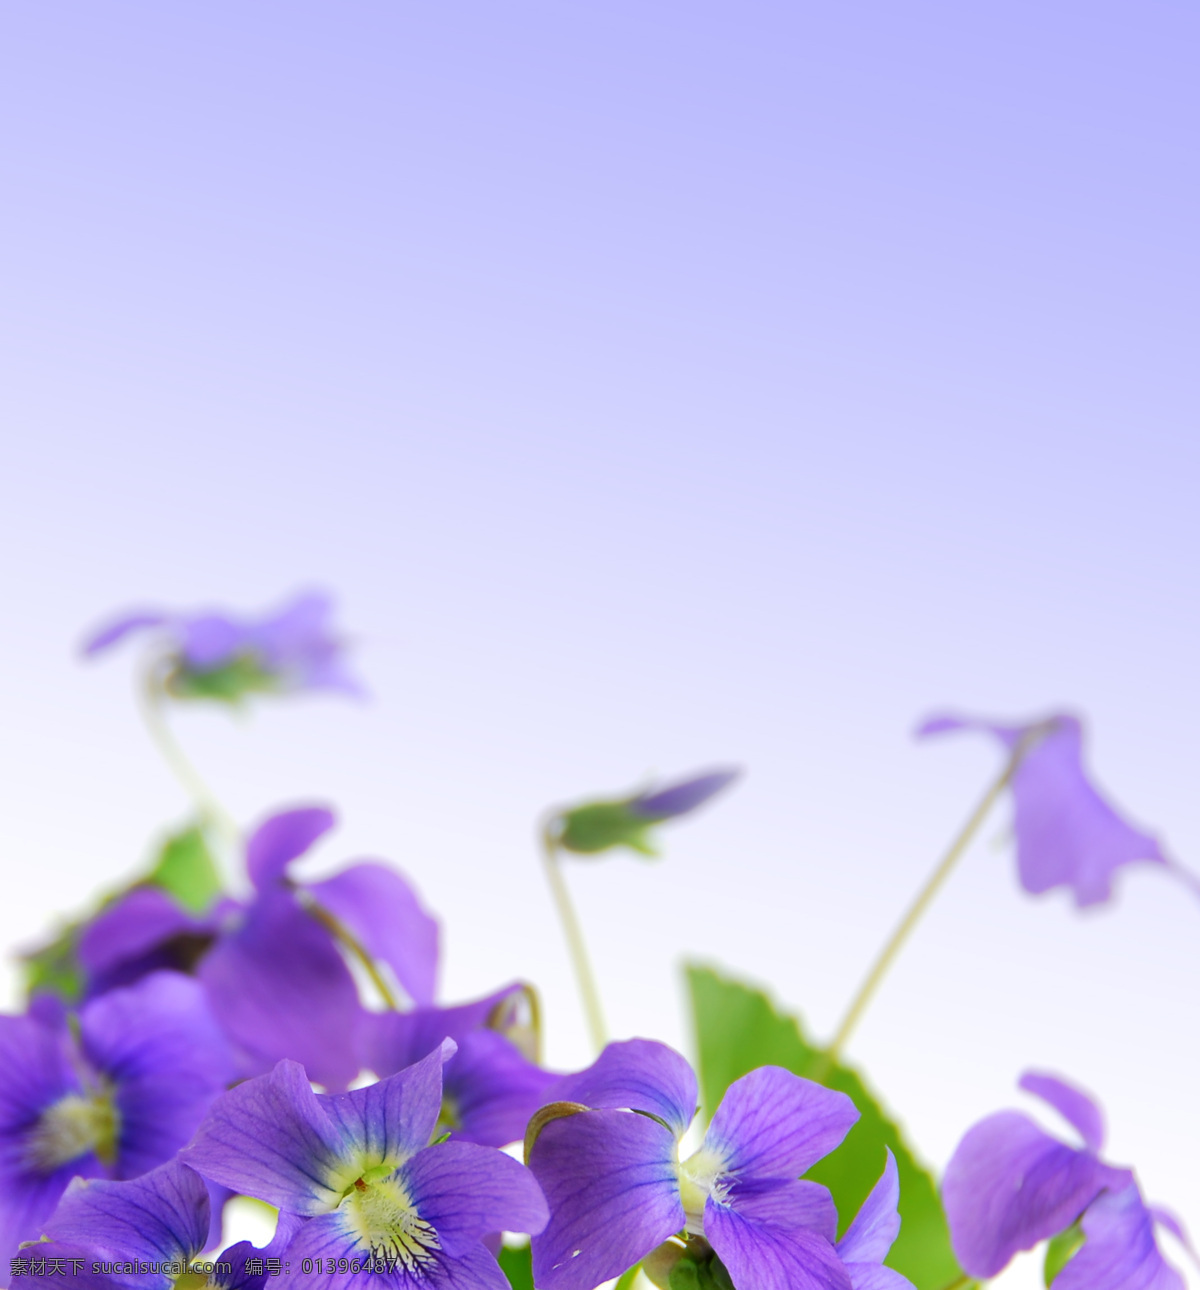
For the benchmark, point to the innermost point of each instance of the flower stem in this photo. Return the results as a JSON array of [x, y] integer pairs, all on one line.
[[152, 695], [349, 942], [924, 899], [575, 942]]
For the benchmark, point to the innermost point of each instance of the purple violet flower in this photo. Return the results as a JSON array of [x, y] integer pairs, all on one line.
[[1067, 834], [617, 1188], [148, 1232], [1010, 1185], [490, 1089], [116, 1095], [625, 822], [218, 656], [360, 1167], [278, 982]]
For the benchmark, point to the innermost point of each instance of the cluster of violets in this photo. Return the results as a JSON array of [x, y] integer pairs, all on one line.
[[206, 1053]]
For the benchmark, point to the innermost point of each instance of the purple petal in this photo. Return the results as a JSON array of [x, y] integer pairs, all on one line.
[[158, 1044], [1120, 1252], [681, 798], [393, 1040], [161, 1215], [281, 839], [492, 1091], [326, 1240], [294, 629], [874, 1276], [117, 630], [26, 1202], [877, 1223], [773, 1124], [638, 1074], [383, 912], [1009, 1186], [1067, 834], [279, 988], [611, 1183], [271, 1138], [783, 1204], [133, 926], [209, 640], [1073, 1104], [761, 1256], [390, 1121], [466, 1191]]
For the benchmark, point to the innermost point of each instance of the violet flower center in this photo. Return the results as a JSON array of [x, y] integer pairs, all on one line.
[[75, 1126], [385, 1221]]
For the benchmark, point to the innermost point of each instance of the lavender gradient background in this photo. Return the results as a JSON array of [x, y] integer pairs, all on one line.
[[658, 385]]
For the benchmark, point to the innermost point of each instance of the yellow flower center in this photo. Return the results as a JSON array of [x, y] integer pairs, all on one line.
[[381, 1215], [74, 1126], [697, 1181]]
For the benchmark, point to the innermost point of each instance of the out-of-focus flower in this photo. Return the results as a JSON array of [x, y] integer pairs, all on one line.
[[278, 983], [219, 656], [1010, 1185], [490, 1088], [617, 1190], [360, 1167], [626, 822], [146, 1232], [1067, 834], [116, 1095]]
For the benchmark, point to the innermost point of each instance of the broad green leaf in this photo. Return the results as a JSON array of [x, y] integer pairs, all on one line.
[[516, 1262], [601, 825], [737, 1029], [185, 870]]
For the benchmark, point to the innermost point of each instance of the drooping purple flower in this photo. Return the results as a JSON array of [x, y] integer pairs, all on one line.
[[360, 1167], [148, 1232], [1067, 833], [1010, 1186], [278, 983], [617, 1189], [220, 656], [490, 1089], [625, 822], [144, 931], [116, 1095], [681, 798]]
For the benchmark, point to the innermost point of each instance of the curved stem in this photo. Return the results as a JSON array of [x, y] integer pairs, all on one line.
[[575, 942], [349, 942], [152, 695], [924, 899]]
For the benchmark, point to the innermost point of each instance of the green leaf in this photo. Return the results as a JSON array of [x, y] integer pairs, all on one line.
[[516, 1262], [601, 825], [185, 870], [1061, 1250], [55, 968], [737, 1030]]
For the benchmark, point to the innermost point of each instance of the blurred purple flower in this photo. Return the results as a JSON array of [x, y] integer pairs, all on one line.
[[277, 980], [215, 655], [682, 798], [147, 1232], [360, 1167], [1010, 1185], [1067, 834], [617, 1189], [490, 1089], [116, 1097]]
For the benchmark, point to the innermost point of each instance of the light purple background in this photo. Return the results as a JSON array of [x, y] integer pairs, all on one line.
[[658, 385]]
